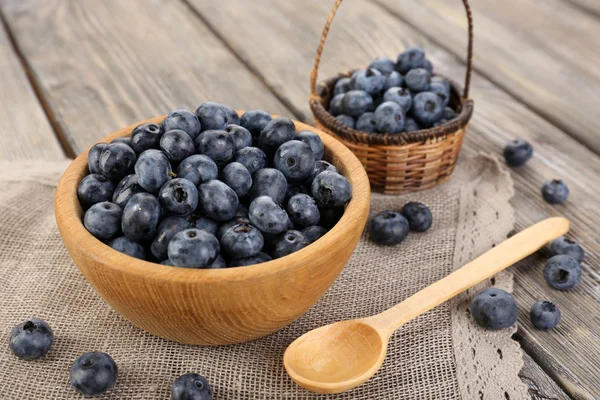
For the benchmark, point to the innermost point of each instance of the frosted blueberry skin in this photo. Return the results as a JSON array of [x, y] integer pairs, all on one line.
[[369, 80], [268, 216], [241, 136], [295, 160], [238, 178], [389, 117], [441, 91], [418, 79], [555, 191], [384, 65], [31, 339], [178, 197], [127, 246], [153, 170], [252, 158], [303, 211], [103, 220], [517, 152], [116, 161], [320, 166], [269, 182], [347, 120], [335, 105], [366, 123], [140, 217], [94, 188], [357, 102], [399, 95], [255, 121], [94, 157], [494, 309], [427, 109], [217, 200], [216, 144], [197, 169], [331, 189], [568, 247], [544, 315], [411, 58], [313, 141], [314, 233], [418, 216], [177, 145], [216, 116], [184, 120], [394, 79], [342, 86], [193, 248], [242, 240], [145, 137], [562, 272], [126, 188], [275, 133], [167, 228], [388, 228], [288, 243], [206, 224], [93, 373]]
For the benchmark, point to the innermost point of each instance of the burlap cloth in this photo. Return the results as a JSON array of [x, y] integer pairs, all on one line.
[[441, 355]]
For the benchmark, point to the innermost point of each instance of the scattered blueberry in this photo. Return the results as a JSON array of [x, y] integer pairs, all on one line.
[[177, 145], [116, 161], [103, 220], [366, 123], [184, 120], [215, 116], [140, 217], [191, 387], [129, 247], [555, 191], [94, 188], [544, 315], [517, 152], [314, 233], [389, 117], [410, 59], [295, 160], [153, 170], [399, 95], [313, 141], [342, 86], [357, 102], [241, 136], [252, 260], [193, 248], [568, 247], [94, 157], [255, 121], [145, 137], [335, 105], [427, 109], [93, 373], [288, 243], [330, 189], [276, 132], [417, 80], [197, 169], [562, 272], [494, 309], [346, 120], [237, 177], [216, 144], [370, 80], [269, 182], [178, 197], [252, 158], [384, 65], [31, 339], [303, 211], [242, 240], [218, 201], [388, 228], [268, 216], [418, 216]]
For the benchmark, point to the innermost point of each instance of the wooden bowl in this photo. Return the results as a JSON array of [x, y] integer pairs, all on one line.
[[214, 307]]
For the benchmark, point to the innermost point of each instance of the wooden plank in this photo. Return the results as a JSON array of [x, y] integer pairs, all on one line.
[[591, 6], [541, 386], [104, 65], [542, 52], [362, 31], [26, 132]]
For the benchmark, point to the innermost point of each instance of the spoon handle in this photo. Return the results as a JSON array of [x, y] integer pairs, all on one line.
[[488, 264]]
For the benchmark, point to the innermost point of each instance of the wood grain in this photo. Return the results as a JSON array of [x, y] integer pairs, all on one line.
[[539, 51], [539, 384], [363, 31], [591, 6], [104, 65], [26, 132]]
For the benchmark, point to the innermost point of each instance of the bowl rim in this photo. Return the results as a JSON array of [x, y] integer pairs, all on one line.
[[69, 214]]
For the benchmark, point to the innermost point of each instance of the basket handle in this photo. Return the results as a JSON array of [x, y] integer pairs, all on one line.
[[313, 74]]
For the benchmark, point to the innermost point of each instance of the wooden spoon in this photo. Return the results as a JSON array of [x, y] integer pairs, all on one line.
[[341, 356]]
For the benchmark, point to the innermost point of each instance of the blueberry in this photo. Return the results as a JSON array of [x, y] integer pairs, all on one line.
[[313, 141], [242, 240], [410, 59], [410, 125], [331, 189], [103, 220], [366, 123], [241, 136], [168, 227], [191, 387], [124, 140], [252, 158], [388, 228], [389, 117], [293, 189], [544, 315], [184, 120], [314, 233], [494, 309], [442, 92], [370, 80], [443, 81], [94, 157], [127, 246], [93, 189], [145, 137], [335, 105], [288, 243], [269, 182], [330, 216], [320, 166], [242, 211], [392, 80], [356, 102], [449, 114], [427, 109], [562, 272], [177, 145], [125, 189], [31, 339], [255, 121], [153, 170], [295, 160], [517, 152], [178, 196], [252, 260], [384, 65], [268, 215], [428, 66], [197, 169], [216, 144], [215, 116], [342, 86], [418, 80], [218, 263], [237, 177], [140, 217], [116, 161], [229, 224], [276, 132], [218, 201], [555, 191], [303, 211], [418, 216], [193, 248], [346, 120], [206, 224], [93, 373], [399, 95], [566, 246], [167, 262]]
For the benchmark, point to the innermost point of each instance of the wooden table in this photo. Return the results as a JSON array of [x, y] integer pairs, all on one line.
[[73, 71]]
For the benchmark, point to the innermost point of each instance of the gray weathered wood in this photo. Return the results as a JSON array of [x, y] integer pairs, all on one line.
[[591, 6], [541, 387], [25, 132], [362, 31], [539, 51], [104, 65]]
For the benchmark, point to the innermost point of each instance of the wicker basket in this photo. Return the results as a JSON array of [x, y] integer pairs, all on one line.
[[401, 162]]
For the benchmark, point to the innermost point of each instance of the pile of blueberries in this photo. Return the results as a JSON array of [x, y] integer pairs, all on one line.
[[208, 189], [393, 96]]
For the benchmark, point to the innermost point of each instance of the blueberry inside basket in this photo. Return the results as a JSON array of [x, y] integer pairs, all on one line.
[[404, 161]]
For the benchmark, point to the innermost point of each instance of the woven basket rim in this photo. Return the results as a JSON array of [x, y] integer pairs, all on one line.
[[465, 111]]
